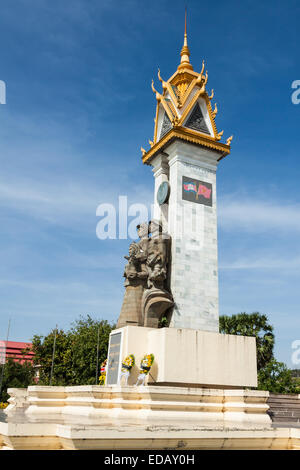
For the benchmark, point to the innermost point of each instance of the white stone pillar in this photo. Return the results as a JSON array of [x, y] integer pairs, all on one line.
[[161, 173], [193, 228]]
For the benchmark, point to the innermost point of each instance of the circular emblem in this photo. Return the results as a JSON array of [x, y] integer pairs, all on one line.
[[163, 193]]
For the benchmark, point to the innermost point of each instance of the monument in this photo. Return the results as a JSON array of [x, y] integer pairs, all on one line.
[[198, 392], [171, 277]]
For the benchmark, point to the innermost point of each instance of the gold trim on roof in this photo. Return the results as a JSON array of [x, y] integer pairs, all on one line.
[[190, 136], [189, 108], [176, 94], [156, 123]]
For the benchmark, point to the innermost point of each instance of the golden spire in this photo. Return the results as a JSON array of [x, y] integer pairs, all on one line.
[[185, 52]]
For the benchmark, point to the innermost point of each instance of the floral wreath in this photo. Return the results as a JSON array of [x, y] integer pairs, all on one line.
[[103, 372], [128, 363], [146, 363]]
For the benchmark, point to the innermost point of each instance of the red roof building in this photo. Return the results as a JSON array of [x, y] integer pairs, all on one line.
[[16, 351]]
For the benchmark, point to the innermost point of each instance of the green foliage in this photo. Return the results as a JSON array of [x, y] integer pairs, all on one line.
[[16, 375], [277, 378], [253, 324], [43, 350], [163, 322], [75, 353], [84, 334]]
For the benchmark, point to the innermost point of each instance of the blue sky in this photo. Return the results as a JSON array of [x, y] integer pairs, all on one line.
[[79, 107]]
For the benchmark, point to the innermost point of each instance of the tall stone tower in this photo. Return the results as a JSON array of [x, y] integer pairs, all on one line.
[[184, 155]]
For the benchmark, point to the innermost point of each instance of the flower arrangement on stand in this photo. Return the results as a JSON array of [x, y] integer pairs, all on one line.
[[127, 365], [146, 364], [103, 371]]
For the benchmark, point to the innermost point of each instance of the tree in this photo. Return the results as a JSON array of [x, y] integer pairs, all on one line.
[[84, 338], [253, 324], [43, 350], [277, 378], [16, 375], [75, 357]]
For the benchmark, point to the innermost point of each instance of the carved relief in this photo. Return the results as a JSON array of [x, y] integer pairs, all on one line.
[[147, 295], [166, 125], [196, 120]]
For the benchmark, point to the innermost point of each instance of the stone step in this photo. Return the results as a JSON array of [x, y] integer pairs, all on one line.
[[285, 413], [285, 419], [284, 408], [284, 395], [286, 402]]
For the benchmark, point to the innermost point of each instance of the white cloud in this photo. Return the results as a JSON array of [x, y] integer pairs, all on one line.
[[64, 200], [271, 227], [255, 216], [272, 263]]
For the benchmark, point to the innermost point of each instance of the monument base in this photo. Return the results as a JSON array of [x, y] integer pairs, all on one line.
[[154, 416], [148, 418], [185, 357]]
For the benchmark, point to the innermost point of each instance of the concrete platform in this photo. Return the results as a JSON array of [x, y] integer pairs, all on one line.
[[185, 357], [84, 437], [94, 417]]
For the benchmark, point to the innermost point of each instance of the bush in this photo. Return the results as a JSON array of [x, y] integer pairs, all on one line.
[[16, 375], [75, 353], [277, 378]]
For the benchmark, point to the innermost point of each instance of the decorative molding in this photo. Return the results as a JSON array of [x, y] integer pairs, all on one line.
[[187, 135], [203, 167], [160, 165], [199, 169]]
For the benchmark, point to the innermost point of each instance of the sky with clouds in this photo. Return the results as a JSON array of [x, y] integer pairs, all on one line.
[[78, 108]]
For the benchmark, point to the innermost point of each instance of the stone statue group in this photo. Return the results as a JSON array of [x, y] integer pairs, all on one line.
[[147, 295]]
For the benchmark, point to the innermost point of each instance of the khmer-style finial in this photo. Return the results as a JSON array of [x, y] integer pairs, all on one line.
[[228, 141], [218, 136], [158, 95], [185, 52], [215, 111], [164, 85], [202, 70]]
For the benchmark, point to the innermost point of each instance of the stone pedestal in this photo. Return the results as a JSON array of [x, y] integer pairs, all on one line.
[[185, 357], [148, 418]]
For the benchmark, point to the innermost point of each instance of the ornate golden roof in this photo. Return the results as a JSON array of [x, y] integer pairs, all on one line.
[[184, 110]]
